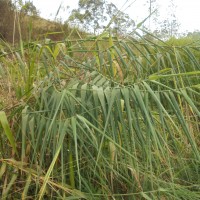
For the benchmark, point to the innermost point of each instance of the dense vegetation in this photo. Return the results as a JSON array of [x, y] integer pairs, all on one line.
[[100, 117]]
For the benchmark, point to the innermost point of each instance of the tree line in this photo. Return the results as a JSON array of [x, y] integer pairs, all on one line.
[[91, 16]]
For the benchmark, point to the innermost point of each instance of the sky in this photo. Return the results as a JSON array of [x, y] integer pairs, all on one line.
[[187, 11]]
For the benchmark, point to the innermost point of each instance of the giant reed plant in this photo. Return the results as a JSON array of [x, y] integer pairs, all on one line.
[[103, 118]]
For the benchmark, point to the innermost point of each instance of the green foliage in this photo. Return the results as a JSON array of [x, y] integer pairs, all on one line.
[[97, 14], [28, 8], [9, 134], [103, 118]]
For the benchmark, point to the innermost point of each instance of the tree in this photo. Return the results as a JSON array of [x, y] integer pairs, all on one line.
[[122, 23], [195, 34], [29, 9], [173, 22], [153, 12], [90, 13], [95, 14], [169, 26]]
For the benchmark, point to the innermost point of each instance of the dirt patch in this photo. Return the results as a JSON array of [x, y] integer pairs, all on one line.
[[7, 95]]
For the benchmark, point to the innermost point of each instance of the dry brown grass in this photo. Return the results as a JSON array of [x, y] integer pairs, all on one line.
[[7, 95]]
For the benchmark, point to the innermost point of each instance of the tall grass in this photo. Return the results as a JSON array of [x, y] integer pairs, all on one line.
[[102, 118]]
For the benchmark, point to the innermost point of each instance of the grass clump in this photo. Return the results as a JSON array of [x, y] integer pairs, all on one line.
[[101, 118]]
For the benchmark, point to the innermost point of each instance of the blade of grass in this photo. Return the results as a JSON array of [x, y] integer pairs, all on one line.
[[7, 130]]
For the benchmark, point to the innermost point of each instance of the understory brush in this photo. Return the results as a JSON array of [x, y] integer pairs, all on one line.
[[100, 118]]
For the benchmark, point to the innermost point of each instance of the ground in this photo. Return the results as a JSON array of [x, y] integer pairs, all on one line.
[[7, 95]]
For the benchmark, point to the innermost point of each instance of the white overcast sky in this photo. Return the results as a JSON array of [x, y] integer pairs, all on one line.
[[187, 11]]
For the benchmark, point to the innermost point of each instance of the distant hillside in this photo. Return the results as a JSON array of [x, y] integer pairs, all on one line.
[[40, 27], [15, 25]]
